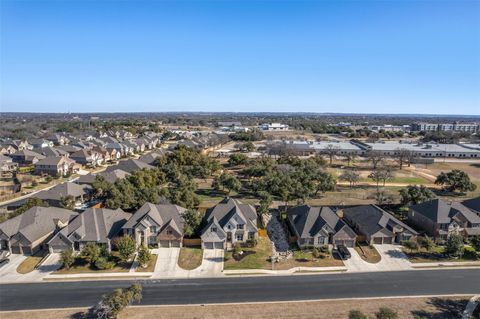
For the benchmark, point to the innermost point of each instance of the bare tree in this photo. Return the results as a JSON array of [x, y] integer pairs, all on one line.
[[382, 174], [331, 151], [350, 176], [376, 157], [402, 156], [350, 157]]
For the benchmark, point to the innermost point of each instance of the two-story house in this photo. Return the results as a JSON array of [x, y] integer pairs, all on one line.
[[157, 225], [227, 223], [438, 218], [56, 166]]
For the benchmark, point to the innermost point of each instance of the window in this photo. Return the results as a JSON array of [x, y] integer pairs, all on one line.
[[153, 229], [239, 237], [240, 226], [229, 226], [169, 232], [213, 229], [321, 239]]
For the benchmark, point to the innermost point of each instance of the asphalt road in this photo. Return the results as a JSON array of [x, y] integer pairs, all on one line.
[[245, 289]]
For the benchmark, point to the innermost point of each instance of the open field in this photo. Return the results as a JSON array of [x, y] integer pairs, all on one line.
[[407, 308]]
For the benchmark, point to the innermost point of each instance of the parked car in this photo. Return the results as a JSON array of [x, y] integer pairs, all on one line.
[[4, 261], [343, 252]]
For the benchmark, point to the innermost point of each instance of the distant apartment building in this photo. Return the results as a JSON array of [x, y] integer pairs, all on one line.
[[389, 128], [445, 127], [274, 127]]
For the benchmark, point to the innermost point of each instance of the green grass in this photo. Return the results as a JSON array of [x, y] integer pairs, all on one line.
[[258, 260], [80, 266], [435, 255]]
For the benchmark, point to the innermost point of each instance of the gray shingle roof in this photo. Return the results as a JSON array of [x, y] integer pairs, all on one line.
[[151, 157], [162, 214], [441, 211], [473, 204], [129, 166], [309, 220], [371, 219], [96, 224], [63, 190], [228, 208], [37, 222]]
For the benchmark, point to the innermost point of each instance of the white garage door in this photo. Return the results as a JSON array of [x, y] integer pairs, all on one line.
[[208, 245]]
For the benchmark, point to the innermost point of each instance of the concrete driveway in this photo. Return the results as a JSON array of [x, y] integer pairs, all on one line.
[[167, 266], [9, 274], [392, 259]]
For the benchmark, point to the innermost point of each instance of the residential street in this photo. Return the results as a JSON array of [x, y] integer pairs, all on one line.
[[247, 289]]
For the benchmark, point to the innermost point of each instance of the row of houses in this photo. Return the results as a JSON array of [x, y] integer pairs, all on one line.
[[230, 222]]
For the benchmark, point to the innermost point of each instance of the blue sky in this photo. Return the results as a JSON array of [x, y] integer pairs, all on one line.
[[313, 56]]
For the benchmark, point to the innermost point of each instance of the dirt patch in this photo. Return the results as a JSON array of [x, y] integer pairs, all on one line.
[[407, 308]]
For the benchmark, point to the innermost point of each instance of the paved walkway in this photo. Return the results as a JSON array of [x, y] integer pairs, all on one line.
[[167, 266], [392, 258]]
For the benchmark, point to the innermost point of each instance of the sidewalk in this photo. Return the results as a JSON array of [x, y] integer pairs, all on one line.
[[447, 264], [240, 272]]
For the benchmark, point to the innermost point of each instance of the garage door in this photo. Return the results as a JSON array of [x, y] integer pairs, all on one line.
[[175, 243], [16, 250], [58, 248], [377, 240], [219, 245], [387, 240], [348, 243], [164, 243], [208, 245]]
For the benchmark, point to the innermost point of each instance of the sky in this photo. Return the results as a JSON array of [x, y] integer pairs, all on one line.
[[389, 56]]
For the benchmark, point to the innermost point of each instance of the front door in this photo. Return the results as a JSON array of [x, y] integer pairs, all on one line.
[[229, 237]]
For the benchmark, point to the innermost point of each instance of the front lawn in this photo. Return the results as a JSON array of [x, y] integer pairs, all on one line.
[[190, 258], [436, 255], [368, 253], [80, 266], [258, 258], [151, 265], [29, 264]]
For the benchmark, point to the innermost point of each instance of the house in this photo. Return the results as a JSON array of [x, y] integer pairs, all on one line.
[[26, 157], [58, 139], [473, 204], [54, 195], [7, 165], [150, 158], [315, 226], [227, 223], [274, 127], [94, 225], [375, 225], [157, 225], [7, 149], [51, 152], [438, 218], [40, 143], [70, 149], [87, 157], [19, 145], [120, 149], [27, 233], [56, 166], [110, 177], [130, 166]]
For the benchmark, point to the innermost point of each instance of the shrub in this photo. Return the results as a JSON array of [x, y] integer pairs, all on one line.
[[144, 256], [102, 263], [251, 242], [357, 314], [34, 183], [237, 250], [324, 249], [410, 245], [454, 246], [91, 252], [386, 313], [67, 258], [317, 253], [126, 247]]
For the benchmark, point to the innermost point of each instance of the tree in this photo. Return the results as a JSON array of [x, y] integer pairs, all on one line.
[[475, 242], [426, 243], [67, 202], [376, 157], [67, 258], [350, 157], [357, 314], [455, 180], [265, 201], [249, 147], [226, 181], [91, 253], [237, 159], [126, 247], [31, 202], [111, 305], [386, 313], [192, 221], [331, 151], [415, 194], [144, 256], [350, 176], [410, 245], [454, 246], [403, 155]]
